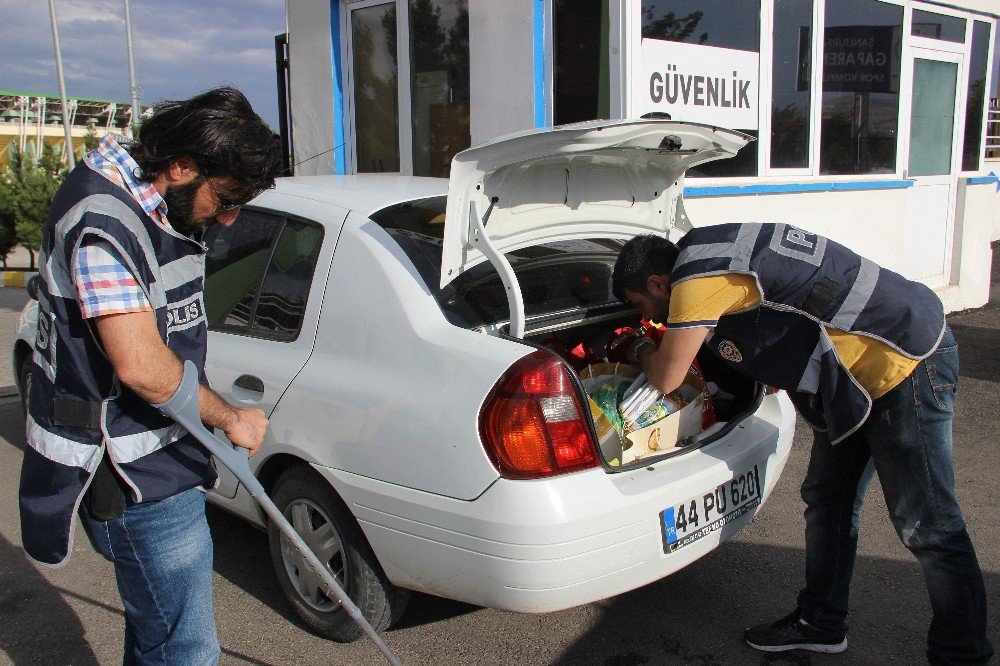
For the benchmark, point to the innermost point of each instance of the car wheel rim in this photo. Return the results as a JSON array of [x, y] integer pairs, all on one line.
[[320, 533]]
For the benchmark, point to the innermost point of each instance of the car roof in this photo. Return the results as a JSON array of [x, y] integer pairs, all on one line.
[[362, 193]]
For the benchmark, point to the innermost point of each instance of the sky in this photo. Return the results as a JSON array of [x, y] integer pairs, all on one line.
[[181, 48]]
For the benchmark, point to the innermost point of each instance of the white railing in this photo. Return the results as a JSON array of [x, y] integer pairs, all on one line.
[[993, 129]]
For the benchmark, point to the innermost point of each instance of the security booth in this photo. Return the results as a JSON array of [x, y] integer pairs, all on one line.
[[870, 115]]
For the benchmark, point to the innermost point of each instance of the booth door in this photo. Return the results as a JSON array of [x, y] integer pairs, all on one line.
[[932, 165]]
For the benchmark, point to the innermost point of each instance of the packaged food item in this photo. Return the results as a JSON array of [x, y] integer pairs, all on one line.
[[607, 419], [633, 419], [671, 431]]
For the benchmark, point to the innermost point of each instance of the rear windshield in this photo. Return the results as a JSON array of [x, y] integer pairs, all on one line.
[[554, 277]]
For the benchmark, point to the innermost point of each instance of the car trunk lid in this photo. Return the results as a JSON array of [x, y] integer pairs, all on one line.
[[598, 179]]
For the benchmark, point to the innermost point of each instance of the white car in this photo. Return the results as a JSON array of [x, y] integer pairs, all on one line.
[[422, 435]]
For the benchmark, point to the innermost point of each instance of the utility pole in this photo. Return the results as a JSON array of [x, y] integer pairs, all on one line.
[[133, 87], [70, 159]]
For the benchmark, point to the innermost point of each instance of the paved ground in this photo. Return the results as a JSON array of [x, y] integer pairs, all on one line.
[[73, 615]]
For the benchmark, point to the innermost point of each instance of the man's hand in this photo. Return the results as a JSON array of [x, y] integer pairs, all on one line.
[[620, 345], [148, 367], [667, 365], [246, 428]]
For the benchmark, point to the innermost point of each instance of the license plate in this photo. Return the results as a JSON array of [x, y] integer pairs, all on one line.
[[685, 523]]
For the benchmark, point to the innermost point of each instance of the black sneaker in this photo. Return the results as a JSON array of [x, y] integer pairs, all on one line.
[[792, 633]]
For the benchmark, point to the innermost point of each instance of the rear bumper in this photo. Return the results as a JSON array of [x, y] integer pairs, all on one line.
[[540, 546]]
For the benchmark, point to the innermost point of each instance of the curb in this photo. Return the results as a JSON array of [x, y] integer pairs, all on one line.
[[15, 278]]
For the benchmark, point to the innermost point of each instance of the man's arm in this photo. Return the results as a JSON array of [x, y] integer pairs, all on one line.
[[666, 366], [148, 367]]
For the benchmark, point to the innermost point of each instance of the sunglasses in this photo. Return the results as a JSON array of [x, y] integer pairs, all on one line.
[[227, 204]]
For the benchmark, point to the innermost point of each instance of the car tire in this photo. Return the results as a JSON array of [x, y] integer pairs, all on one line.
[[311, 506], [25, 383]]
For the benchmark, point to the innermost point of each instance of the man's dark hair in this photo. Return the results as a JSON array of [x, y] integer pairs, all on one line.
[[217, 129], [641, 257]]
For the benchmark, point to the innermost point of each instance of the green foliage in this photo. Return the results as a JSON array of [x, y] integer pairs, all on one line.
[[90, 139], [8, 220], [26, 194]]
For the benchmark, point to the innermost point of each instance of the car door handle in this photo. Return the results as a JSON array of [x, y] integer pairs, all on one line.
[[250, 383]]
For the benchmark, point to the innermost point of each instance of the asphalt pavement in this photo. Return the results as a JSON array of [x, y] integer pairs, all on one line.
[[73, 615]]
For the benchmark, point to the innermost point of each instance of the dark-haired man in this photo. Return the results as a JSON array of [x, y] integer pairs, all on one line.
[[120, 310], [870, 363]]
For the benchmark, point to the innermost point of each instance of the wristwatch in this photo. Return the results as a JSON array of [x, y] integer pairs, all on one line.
[[633, 353]]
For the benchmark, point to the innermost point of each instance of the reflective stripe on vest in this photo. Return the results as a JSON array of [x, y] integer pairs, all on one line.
[[807, 282], [155, 456]]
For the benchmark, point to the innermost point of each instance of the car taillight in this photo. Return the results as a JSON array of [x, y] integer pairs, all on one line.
[[532, 423]]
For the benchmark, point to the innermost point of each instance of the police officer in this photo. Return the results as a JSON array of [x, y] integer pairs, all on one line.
[[120, 311], [869, 362]]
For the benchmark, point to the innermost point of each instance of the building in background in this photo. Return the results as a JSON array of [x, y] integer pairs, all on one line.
[[871, 115], [29, 119]]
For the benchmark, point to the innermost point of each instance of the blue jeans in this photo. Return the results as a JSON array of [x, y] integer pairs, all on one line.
[[162, 552], [907, 441]]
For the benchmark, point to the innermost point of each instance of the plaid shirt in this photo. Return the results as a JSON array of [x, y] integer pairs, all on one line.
[[104, 284]]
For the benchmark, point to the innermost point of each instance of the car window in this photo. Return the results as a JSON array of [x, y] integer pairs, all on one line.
[[258, 272], [283, 293], [234, 266], [554, 277]]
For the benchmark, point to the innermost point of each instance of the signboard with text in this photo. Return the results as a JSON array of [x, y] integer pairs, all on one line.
[[861, 58], [701, 84]]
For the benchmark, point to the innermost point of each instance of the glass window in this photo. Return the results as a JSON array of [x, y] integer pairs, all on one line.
[[234, 264], [938, 26], [932, 117], [862, 47], [554, 277], [439, 84], [976, 107], [580, 64], [720, 23], [791, 82], [376, 96], [285, 289]]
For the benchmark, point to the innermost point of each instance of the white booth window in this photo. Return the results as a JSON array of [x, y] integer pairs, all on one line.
[[409, 84], [580, 83], [938, 26], [701, 59], [932, 117], [791, 79], [862, 49], [376, 76], [975, 110], [439, 64]]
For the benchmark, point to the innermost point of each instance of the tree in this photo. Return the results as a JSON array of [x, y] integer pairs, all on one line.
[[90, 138], [29, 189], [8, 237]]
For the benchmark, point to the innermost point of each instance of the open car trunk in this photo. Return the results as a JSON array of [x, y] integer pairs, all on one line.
[[730, 396], [525, 242]]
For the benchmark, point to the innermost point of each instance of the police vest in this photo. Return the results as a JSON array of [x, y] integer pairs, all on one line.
[[78, 410], [807, 282]]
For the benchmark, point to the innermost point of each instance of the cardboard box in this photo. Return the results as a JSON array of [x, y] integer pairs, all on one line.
[[607, 436], [654, 439], [664, 435]]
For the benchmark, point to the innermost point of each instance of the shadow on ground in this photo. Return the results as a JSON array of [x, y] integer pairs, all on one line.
[[39, 626], [697, 616]]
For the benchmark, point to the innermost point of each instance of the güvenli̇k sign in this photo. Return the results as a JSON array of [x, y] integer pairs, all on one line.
[[701, 84]]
